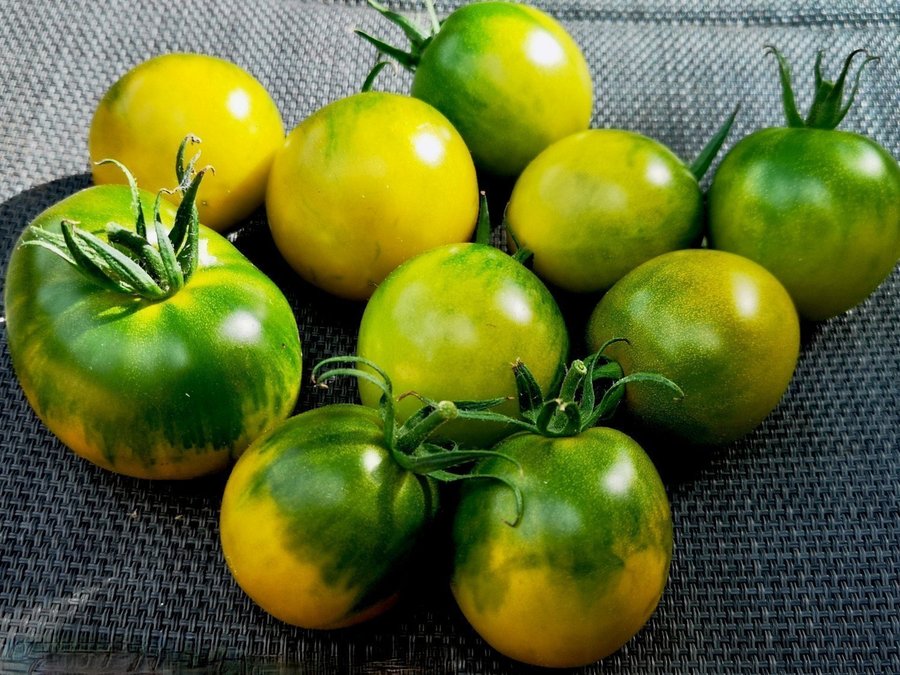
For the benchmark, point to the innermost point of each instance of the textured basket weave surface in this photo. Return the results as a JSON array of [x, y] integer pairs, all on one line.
[[786, 555]]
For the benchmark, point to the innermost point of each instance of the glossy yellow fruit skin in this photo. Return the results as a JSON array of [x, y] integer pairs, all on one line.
[[143, 117], [365, 183]]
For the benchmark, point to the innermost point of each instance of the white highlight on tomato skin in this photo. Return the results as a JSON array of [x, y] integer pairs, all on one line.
[[543, 49], [870, 163], [429, 147], [618, 479], [371, 460], [746, 298], [658, 174], [241, 326], [238, 103], [515, 306]]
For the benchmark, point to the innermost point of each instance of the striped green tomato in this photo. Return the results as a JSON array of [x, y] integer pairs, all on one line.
[[585, 567], [170, 387], [318, 521]]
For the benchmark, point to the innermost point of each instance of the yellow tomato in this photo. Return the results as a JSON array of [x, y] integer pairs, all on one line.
[[364, 184], [143, 117]]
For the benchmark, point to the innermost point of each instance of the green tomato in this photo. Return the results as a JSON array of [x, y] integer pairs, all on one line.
[[585, 567], [318, 522], [820, 209], [595, 205], [718, 325], [817, 207], [160, 101], [354, 189], [167, 388], [449, 323]]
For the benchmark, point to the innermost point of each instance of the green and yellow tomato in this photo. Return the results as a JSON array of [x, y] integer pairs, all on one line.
[[816, 206], [319, 523], [447, 325], [365, 183], [584, 568], [153, 106], [596, 204], [718, 325], [168, 386], [507, 75]]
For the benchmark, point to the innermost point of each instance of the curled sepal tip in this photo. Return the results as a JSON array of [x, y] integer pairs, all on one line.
[[828, 107]]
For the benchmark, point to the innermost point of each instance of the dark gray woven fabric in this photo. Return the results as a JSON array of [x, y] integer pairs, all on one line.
[[786, 556]]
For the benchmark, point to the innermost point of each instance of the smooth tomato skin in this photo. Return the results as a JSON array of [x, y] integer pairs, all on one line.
[[595, 205], [365, 183], [318, 522], [450, 323], [584, 569], [819, 209], [145, 115], [718, 325], [168, 389], [510, 78]]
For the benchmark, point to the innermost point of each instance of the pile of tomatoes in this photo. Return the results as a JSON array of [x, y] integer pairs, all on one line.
[[151, 346]]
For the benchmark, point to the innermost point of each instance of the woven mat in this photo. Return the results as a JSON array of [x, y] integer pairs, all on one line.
[[786, 556]]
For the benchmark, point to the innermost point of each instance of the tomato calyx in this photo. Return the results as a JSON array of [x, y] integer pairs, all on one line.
[[828, 107], [576, 407], [419, 39], [408, 444], [152, 264]]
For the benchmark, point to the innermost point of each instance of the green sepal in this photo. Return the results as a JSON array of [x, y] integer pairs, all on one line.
[[404, 58], [323, 371], [450, 477], [529, 391], [704, 160], [791, 116], [483, 224], [140, 249], [140, 223], [373, 74]]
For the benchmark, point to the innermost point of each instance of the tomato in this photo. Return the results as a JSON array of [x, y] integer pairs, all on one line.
[[163, 387], [596, 204], [157, 103], [718, 325], [448, 323], [507, 75], [575, 567], [816, 206], [318, 523], [365, 183]]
